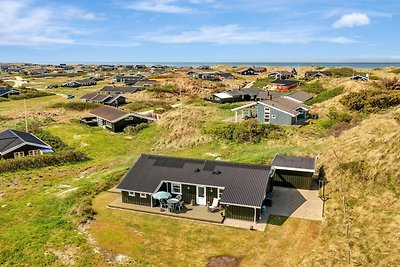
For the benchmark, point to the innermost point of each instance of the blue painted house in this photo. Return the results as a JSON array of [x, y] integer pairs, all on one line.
[[283, 110]]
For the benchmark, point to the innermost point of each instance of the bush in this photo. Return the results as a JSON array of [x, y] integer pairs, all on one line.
[[76, 106], [343, 72], [26, 93], [141, 105], [389, 84], [58, 158], [2, 99], [246, 131], [4, 118], [395, 71], [325, 95], [135, 129], [169, 88], [334, 117], [314, 87], [371, 101], [262, 82]]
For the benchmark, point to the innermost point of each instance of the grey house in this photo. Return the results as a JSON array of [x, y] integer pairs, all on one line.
[[7, 92], [115, 119], [281, 109], [241, 189], [105, 99], [15, 144]]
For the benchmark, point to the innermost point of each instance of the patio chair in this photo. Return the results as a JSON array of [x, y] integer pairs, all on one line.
[[214, 205], [179, 205], [179, 197], [163, 204]]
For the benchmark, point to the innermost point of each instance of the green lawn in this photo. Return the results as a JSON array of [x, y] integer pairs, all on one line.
[[160, 241]]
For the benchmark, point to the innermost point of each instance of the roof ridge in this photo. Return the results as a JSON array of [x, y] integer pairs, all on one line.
[[20, 138]]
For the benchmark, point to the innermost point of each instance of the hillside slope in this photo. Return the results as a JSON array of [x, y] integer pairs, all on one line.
[[366, 172]]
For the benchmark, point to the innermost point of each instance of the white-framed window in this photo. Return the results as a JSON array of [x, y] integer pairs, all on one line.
[[220, 191], [19, 154], [176, 188], [143, 195], [273, 116], [33, 152], [108, 124], [131, 193]]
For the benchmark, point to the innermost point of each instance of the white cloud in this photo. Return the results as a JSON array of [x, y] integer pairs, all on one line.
[[70, 12], [23, 23], [161, 6], [351, 20], [235, 34]]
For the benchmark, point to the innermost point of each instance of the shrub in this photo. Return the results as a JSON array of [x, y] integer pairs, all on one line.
[[2, 99], [389, 84], [4, 118], [372, 100], [325, 95], [58, 158], [141, 105], [26, 93], [246, 131], [395, 71], [136, 128], [76, 106], [262, 82], [168, 88], [312, 87], [343, 72]]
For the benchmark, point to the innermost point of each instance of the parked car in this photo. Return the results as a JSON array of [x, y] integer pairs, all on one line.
[[52, 86], [70, 96]]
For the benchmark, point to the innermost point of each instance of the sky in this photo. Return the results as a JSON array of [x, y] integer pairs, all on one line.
[[41, 31]]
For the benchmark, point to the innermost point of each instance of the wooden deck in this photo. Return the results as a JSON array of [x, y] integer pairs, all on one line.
[[198, 213]]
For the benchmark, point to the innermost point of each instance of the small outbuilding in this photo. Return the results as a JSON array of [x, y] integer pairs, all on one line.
[[293, 171]]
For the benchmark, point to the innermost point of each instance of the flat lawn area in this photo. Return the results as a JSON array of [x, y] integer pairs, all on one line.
[[160, 241]]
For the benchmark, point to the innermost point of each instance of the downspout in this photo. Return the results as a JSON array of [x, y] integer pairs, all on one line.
[[255, 215]]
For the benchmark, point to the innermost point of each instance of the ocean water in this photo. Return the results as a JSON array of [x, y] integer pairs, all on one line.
[[357, 65]]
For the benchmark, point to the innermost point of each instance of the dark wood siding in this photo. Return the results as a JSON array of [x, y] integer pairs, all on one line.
[[120, 125], [188, 193], [297, 179], [240, 213], [136, 199], [211, 193], [25, 149]]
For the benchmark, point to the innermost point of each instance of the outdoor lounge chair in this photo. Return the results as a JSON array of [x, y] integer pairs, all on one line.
[[214, 205]]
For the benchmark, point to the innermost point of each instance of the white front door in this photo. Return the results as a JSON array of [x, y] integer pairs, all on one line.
[[201, 195]]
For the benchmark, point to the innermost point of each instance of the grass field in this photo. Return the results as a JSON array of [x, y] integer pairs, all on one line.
[[42, 210], [159, 241]]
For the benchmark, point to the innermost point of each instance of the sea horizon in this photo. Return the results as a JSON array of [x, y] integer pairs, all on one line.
[[358, 65]]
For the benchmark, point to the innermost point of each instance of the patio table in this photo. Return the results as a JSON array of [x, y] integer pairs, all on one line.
[[172, 203]]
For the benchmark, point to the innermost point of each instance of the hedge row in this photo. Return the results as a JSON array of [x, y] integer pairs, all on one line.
[[51, 159], [76, 106], [26, 93], [246, 131], [135, 129]]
